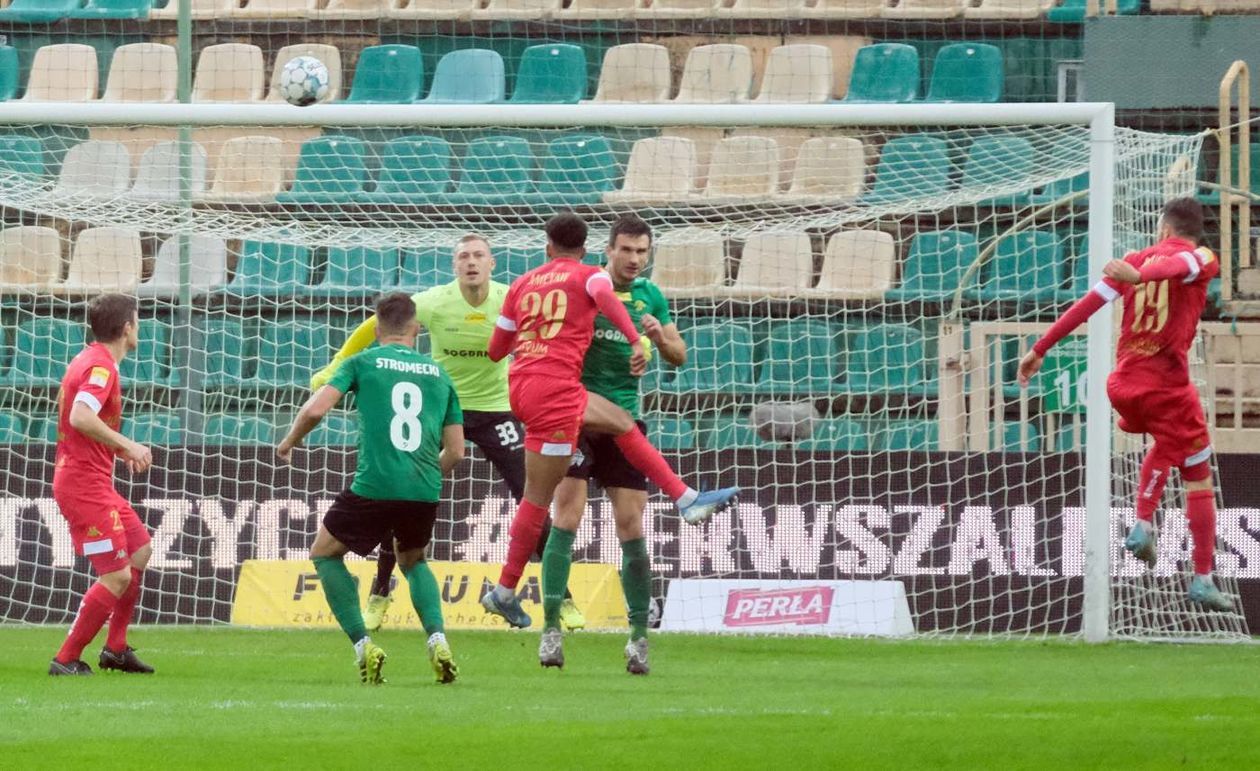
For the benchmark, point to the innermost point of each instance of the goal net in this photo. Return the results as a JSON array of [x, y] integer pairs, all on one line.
[[854, 290]]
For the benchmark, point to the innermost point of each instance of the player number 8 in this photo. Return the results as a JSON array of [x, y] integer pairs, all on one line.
[[404, 430]]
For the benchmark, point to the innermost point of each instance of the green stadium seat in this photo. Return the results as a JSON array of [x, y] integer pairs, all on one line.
[[113, 9], [10, 72], [837, 435], [289, 351], [911, 166], [1061, 188], [428, 266], [164, 429], [576, 171], [907, 436], [1004, 161], [885, 72], [720, 359], [224, 342], [330, 170], [1009, 437], [42, 348], [238, 429], [967, 72], [1073, 11], [935, 266], [670, 433], [335, 430], [21, 155], [468, 76], [551, 73], [12, 429], [887, 358], [358, 269], [43, 429], [149, 364], [270, 268], [414, 170], [733, 432], [1026, 267], [801, 356], [387, 74], [516, 261], [1213, 197], [497, 171], [38, 11]]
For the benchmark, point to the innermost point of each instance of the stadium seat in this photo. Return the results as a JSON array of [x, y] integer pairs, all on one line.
[[967, 72], [1212, 197], [496, 172], [388, 74], [273, 9], [335, 430], [576, 171], [661, 169], [96, 169], [552, 73], [10, 72], [267, 267], [250, 169], [689, 261], [13, 429], [911, 167], [720, 360], [775, 263], [41, 349], [844, 9], [38, 11], [670, 433], [884, 72], [513, 262], [359, 269], [225, 345], [142, 72], [1000, 161], [837, 435], [761, 9], [1060, 189], [886, 358], [62, 73], [634, 72], [426, 267], [1073, 11], [704, 139], [437, 10], [30, 258], [935, 266], [329, 55], [158, 178], [1007, 9], [331, 169], [42, 429], [716, 74], [229, 72], [289, 351], [1009, 440], [207, 261], [414, 170], [858, 264], [801, 356], [468, 76], [104, 260], [797, 74], [517, 9], [1026, 267], [150, 364], [238, 429], [161, 429], [345, 10], [923, 9], [906, 436], [828, 169], [677, 9], [113, 9], [201, 10], [21, 155], [743, 168]]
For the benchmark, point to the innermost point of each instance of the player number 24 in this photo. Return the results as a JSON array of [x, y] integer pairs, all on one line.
[[1150, 307], [551, 307], [404, 430]]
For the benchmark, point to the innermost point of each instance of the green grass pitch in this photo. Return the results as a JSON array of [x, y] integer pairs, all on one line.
[[262, 699]]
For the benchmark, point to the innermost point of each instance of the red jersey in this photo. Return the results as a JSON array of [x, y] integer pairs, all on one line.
[[552, 311], [83, 463]]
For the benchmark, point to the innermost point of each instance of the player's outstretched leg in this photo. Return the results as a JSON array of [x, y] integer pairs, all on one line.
[[636, 584], [1151, 481], [526, 529], [98, 604], [379, 597], [427, 600], [1201, 511], [343, 600]]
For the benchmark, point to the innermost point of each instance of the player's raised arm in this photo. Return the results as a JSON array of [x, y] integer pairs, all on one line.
[[600, 288], [1104, 292], [666, 339], [307, 419], [362, 336]]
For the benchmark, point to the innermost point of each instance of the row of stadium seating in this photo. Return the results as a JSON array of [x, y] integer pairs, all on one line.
[[549, 73]]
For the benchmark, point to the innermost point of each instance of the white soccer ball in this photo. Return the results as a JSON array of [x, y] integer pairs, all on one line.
[[304, 81]]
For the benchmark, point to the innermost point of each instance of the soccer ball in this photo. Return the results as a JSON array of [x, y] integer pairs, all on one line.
[[304, 81]]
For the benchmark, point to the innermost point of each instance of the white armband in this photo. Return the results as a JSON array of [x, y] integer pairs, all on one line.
[[1106, 291], [596, 277], [83, 397], [506, 324], [1192, 263]]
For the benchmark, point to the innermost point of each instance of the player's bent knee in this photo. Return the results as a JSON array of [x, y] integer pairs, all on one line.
[[1198, 476], [140, 557], [117, 581]]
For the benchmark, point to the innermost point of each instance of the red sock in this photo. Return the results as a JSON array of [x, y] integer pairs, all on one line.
[[123, 611], [98, 603], [650, 463], [527, 527], [1151, 485], [1201, 511]]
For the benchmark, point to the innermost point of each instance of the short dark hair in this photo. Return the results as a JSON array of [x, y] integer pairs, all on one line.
[[1185, 217], [394, 311], [566, 231], [108, 314], [631, 225]]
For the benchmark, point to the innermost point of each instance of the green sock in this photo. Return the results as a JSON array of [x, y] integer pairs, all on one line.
[[425, 597], [636, 583], [557, 558], [342, 595]]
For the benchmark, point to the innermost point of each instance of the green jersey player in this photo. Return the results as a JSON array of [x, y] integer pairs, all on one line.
[[410, 435]]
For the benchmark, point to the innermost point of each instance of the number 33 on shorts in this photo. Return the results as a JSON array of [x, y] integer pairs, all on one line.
[[509, 436]]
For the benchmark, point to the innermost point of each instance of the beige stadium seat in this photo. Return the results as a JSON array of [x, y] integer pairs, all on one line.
[[137, 139], [1011, 9], [353, 9], [600, 9], [762, 9], [775, 263], [274, 9], [202, 10], [30, 258], [797, 74], [250, 169], [661, 169], [517, 9], [689, 262], [678, 9], [104, 260], [634, 72], [923, 9], [442, 10], [95, 169], [716, 74], [743, 168], [158, 178], [207, 258], [845, 9], [858, 264], [789, 141], [704, 139], [828, 169], [229, 72], [329, 55], [63, 73], [213, 139], [142, 72]]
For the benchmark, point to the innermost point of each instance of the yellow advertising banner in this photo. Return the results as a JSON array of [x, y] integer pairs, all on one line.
[[287, 593]]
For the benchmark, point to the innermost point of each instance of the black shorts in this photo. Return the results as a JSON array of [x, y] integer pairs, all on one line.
[[599, 458], [363, 523], [502, 438]]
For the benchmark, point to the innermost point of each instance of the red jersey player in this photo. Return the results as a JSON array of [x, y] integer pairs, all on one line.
[[548, 321], [1164, 290], [103, 527]]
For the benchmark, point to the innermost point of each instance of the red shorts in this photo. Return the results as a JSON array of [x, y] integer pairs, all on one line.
[[552, 411], [104, 528], [1173, 416]]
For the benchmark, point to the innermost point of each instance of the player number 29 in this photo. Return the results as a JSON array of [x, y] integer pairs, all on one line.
[[404, 430], [1150, 306], [551, 307]]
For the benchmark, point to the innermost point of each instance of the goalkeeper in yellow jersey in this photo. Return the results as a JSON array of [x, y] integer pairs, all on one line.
[[460, 317]]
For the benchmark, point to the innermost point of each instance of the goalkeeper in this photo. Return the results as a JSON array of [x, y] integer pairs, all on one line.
[[460, 317]]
